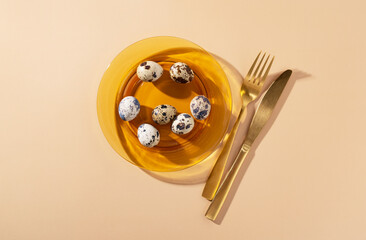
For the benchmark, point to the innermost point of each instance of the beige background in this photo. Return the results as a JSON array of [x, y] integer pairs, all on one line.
[[59, 178]]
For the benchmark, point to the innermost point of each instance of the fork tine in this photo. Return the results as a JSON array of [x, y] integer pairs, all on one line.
[[263, 67], [255, 76], [252, 67], [267, 71]]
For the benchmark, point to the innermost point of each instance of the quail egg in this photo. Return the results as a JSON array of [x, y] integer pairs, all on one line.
[[149, 71], [163, 114], [148, 135], [183, 124], [181, 73], [128, 108], [200, 107]]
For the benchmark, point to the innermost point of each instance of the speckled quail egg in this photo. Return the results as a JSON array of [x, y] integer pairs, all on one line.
[[200, 107], [149, 71], [128, 108], [181, 73], [183, 124], [163, 114], [148, 135]]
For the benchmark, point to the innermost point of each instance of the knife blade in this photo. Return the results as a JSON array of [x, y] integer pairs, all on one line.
[[266, 106]]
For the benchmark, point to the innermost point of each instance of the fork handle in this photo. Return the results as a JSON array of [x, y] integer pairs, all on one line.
[[217, 203], [215, 177]]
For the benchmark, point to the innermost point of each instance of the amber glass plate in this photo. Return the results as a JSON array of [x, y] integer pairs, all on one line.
[[174, 152]]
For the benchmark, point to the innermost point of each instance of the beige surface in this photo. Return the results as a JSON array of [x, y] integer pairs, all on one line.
[[59, 178]]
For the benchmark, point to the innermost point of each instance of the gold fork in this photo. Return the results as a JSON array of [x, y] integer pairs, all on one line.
[[250, 90]]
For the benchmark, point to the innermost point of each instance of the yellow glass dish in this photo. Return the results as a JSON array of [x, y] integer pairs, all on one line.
[[174, 152]]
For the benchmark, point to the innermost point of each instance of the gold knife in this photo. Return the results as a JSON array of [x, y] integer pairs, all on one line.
[[260, 118]]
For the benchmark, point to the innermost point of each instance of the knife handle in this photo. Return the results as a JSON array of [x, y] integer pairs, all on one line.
[[220, 197], [215, 177]]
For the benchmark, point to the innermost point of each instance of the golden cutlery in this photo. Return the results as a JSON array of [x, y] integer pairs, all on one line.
[[250, 90], [260, 118]]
